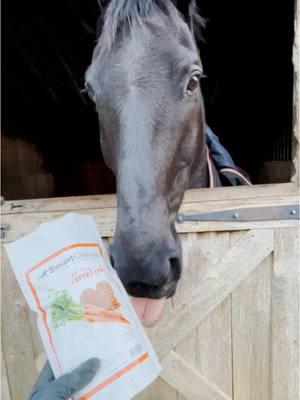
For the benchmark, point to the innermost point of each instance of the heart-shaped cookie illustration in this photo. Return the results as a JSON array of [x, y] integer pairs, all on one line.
[[102, 296]]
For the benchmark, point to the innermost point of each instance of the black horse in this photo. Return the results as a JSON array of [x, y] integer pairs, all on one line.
[[145, 81]]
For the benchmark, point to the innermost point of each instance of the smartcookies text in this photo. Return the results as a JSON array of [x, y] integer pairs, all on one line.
[[65, 263]]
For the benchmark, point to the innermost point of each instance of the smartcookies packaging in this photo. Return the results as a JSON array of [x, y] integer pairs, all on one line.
[[83, 310]]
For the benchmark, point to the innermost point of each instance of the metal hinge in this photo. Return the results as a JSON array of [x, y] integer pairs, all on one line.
[[245, 214]]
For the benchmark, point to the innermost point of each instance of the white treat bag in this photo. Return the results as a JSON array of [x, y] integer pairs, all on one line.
[[83, 309]]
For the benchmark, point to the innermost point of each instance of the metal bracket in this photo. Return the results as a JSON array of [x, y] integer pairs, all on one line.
[[246, 214], [16, 205]]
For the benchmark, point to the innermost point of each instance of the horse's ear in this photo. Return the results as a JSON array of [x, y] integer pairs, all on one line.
[[103, 4], [193, 18], [190, 13], [187, 9]]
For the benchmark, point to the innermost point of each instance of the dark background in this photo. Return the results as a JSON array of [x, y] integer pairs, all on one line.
[[50, 130]]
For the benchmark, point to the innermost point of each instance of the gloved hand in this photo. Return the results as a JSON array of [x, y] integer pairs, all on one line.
[[62, 388]]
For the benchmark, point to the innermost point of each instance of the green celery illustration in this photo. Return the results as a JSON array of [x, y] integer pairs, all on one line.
[[64, 309]]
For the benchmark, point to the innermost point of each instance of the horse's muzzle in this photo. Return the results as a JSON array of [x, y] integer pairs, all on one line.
[[152, 273], [136, 289]]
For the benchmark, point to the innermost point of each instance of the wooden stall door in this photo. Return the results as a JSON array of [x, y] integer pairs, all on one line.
[[231, 330]]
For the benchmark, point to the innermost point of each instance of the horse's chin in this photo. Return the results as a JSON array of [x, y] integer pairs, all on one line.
[[148, 310]]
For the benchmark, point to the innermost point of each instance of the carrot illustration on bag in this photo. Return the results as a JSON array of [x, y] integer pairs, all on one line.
[[98, 314], [63, 307]]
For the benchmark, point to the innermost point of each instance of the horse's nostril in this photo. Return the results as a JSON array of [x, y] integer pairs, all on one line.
[[140, 286], [175, 268]]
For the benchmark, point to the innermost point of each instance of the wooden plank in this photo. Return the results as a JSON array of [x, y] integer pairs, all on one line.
[[200, 251], [195, 265], [222, 205], [189, 382], [285, 316], [16, 335], [214, 355], [18, 227], [241, 192], [223, 277], [158, 390], [109, 201], [70, 203], [40, 361], [5, 392], [38, 349], [21, 224], [251, 303], [205, 348], [39, 355]]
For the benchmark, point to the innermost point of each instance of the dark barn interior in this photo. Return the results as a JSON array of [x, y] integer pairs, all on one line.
[[50, 138]]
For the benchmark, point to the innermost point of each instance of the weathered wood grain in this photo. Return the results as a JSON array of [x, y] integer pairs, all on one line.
[[285, 316], [251, 327], [19, 225], [214, 347], [188, 381], [5, 391], [231, 331], [223, 277], [76, 203], [17, 343], [208, 347]]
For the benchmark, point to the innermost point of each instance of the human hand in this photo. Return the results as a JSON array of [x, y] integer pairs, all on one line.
[[62, 388]]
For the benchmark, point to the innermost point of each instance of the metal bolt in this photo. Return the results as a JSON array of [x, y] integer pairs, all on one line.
[[179, 218], [235, 215], [293, 212], [3, 228]]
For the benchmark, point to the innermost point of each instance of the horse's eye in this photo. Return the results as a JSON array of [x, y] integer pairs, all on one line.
[[91, 95], [90, 91], [193, 84]]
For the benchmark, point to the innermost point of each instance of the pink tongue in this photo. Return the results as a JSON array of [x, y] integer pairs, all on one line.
[[148, 310]]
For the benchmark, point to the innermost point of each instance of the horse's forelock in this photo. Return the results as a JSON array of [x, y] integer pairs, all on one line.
[[118, 14]]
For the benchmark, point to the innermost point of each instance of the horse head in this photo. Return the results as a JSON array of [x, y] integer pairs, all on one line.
[[145, 81]]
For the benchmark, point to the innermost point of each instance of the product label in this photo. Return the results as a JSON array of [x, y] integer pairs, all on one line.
[[76, 300], [82, 307]]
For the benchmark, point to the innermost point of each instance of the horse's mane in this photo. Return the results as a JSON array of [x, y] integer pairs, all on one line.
[[129, 13]]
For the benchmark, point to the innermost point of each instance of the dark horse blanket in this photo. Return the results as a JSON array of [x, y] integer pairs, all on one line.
[[221, 167]]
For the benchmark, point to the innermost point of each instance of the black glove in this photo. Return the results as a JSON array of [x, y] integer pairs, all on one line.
[[62, 388]]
